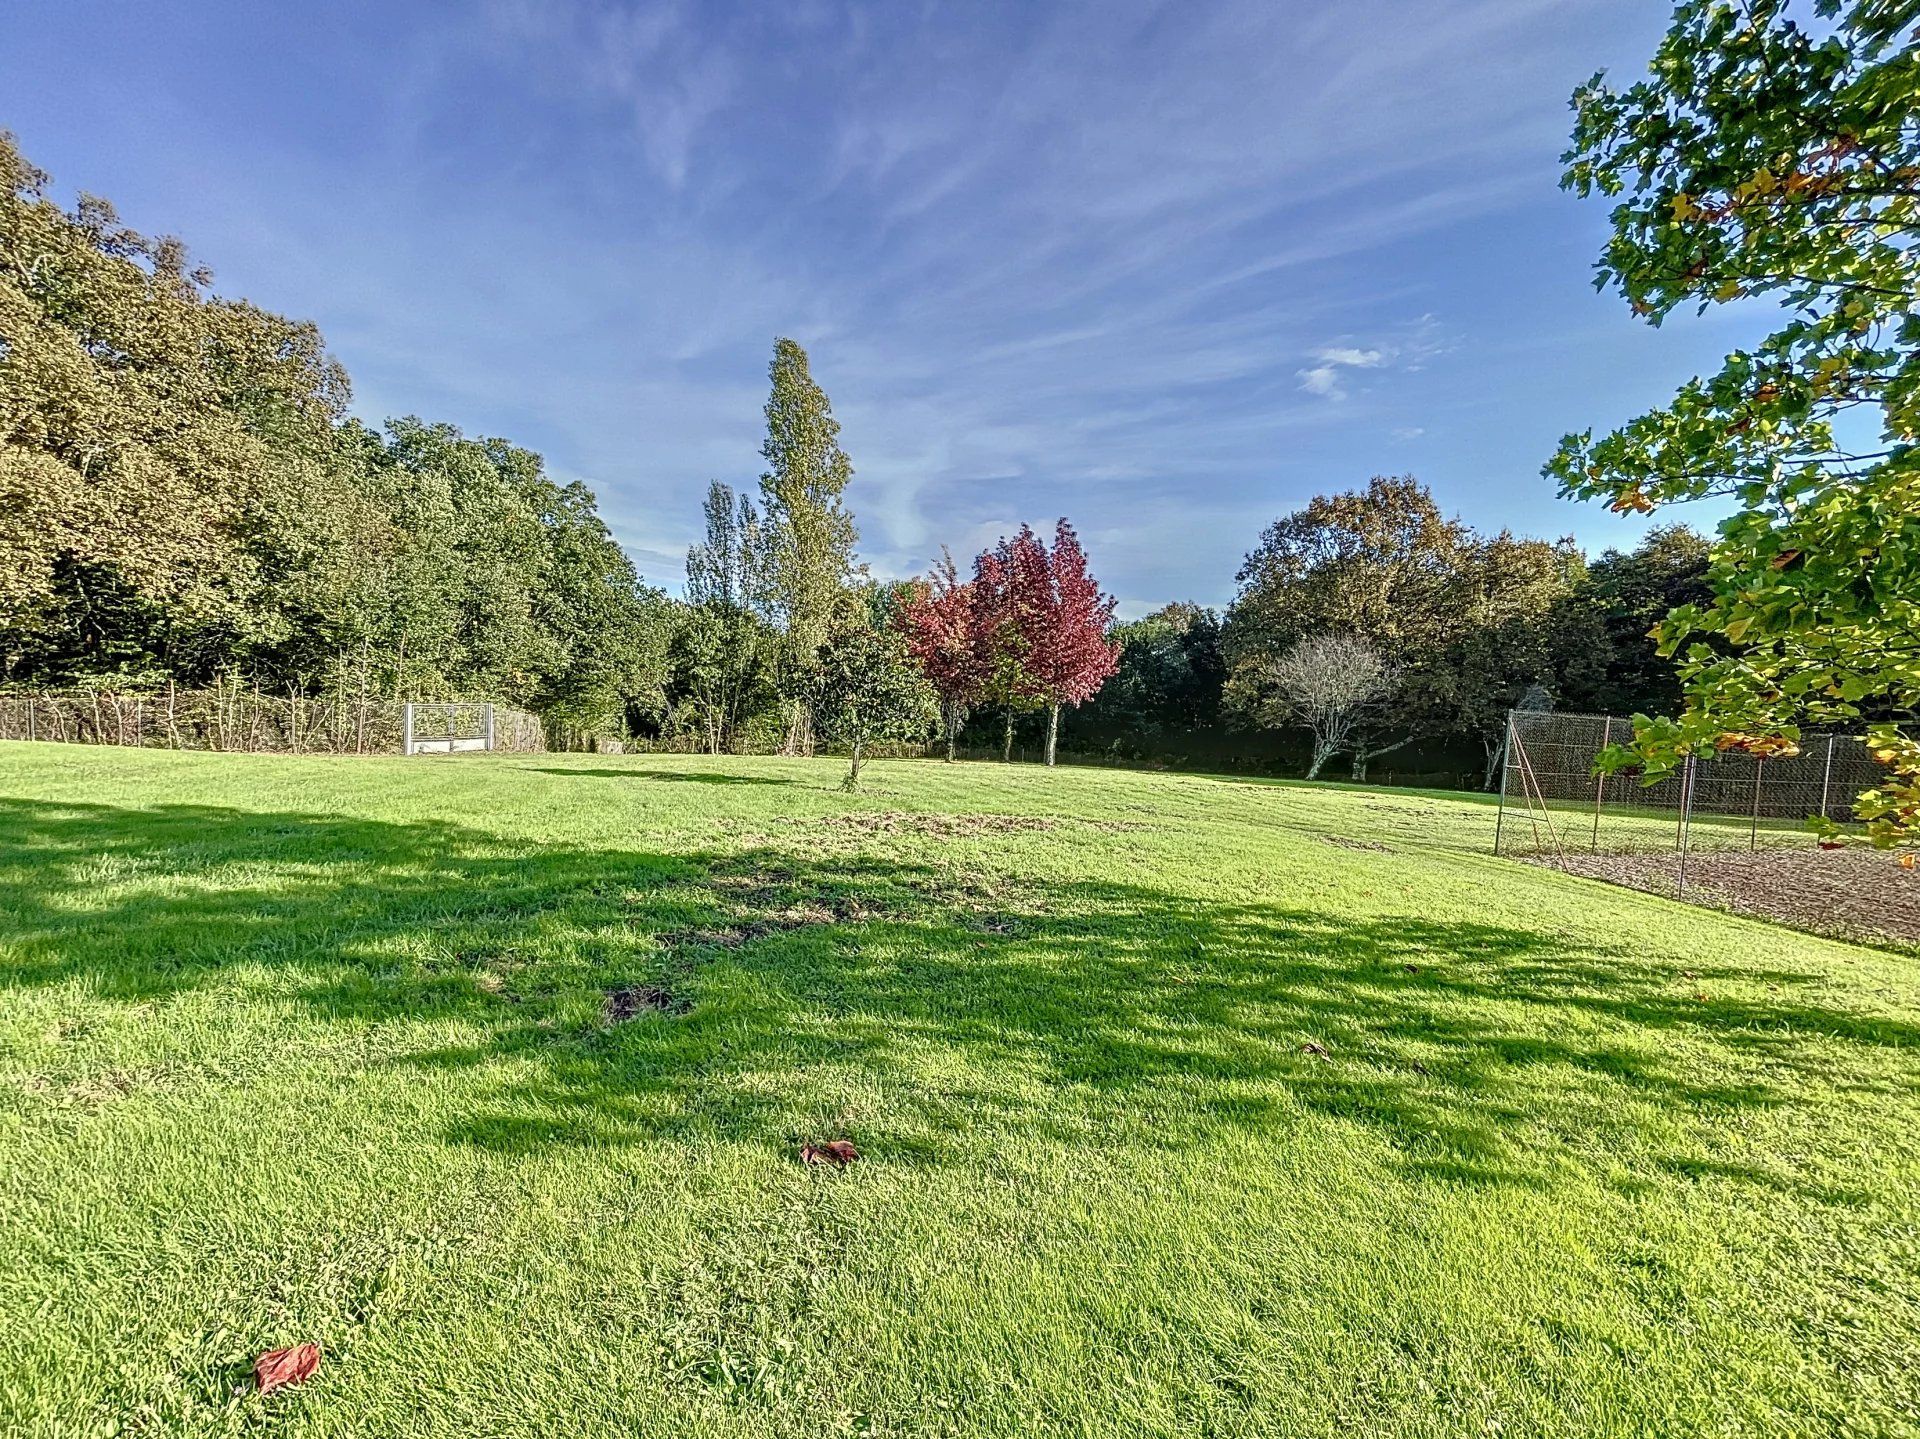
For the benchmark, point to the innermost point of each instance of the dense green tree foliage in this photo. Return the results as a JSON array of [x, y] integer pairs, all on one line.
[[725, 647], [1773, 153], [1454, 616], [182, 497], [1466, 624], [1166, 692], [864, 685], [1606, 661]]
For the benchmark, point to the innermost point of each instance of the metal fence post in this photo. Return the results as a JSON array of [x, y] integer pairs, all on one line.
[[1600, 784], [1753, 832], [1826, 777], [1506, 763], [406, 729], [489, 727], [1686, 821]]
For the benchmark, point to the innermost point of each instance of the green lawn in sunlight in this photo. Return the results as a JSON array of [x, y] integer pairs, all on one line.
[[1187, 1107]]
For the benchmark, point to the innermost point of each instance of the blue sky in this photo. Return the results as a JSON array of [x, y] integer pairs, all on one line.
[[1167, 269]]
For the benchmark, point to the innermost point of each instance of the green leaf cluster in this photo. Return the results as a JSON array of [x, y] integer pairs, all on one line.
[[1775, 155]]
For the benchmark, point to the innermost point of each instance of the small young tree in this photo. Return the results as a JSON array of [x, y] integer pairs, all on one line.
[[866, 687], [1069, 652], [939, 619], [1329, 682]]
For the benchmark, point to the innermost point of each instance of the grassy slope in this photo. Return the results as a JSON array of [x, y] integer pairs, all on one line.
[[312, 1048]]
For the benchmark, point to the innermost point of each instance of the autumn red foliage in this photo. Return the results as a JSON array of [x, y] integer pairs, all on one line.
[[1030, 630], [941, 621], [1069, 654]]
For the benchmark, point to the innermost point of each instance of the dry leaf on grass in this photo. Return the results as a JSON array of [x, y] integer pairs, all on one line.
[[1315, 1048], [837, 1152], [278, 1368]]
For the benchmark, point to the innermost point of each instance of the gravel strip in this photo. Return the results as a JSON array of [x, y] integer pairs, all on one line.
[[1853, 893]]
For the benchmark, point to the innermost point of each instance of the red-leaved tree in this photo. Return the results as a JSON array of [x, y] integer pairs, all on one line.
[[1042, 623], [941, 621], [1069, 654], [1004, 579]]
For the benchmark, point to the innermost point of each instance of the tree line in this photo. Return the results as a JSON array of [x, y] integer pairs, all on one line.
[[184, 498], [1369, 623]]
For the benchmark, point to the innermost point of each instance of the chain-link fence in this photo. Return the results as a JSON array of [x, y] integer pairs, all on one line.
[[1551, 802]]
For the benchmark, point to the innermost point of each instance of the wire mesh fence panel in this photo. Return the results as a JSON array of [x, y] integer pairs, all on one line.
[[238, 718], [448, 728], [1551, 800]]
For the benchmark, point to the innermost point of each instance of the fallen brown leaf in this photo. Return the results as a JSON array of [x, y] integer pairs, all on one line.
[[837, 1152], [278, 1368], [1315, 1048]]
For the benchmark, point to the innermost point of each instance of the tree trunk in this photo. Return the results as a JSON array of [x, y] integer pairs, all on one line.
[[953, 733], [1006, 745], [1362, 753], [1495, 753], [1053, 731], [1322, 752], [852, 781]]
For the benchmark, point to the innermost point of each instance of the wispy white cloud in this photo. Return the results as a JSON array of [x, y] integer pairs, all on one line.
[[652, 60], [1410, 348], [1107, 258], [1324, 378]]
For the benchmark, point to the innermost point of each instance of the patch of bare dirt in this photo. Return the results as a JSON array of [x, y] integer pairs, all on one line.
[[1853, 893], [1345, 843], [634, 1000], [948, 826]]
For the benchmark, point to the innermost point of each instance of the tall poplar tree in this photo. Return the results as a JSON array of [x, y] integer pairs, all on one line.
[[809, 533], [723, 650]]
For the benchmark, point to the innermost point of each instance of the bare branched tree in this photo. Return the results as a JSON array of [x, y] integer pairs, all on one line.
[[1327, 682]]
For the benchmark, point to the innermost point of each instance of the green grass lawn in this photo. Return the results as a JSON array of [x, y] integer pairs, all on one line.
[[1187, 1106]]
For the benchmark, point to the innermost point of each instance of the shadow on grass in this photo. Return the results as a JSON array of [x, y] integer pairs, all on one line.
[[983, 1007]]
